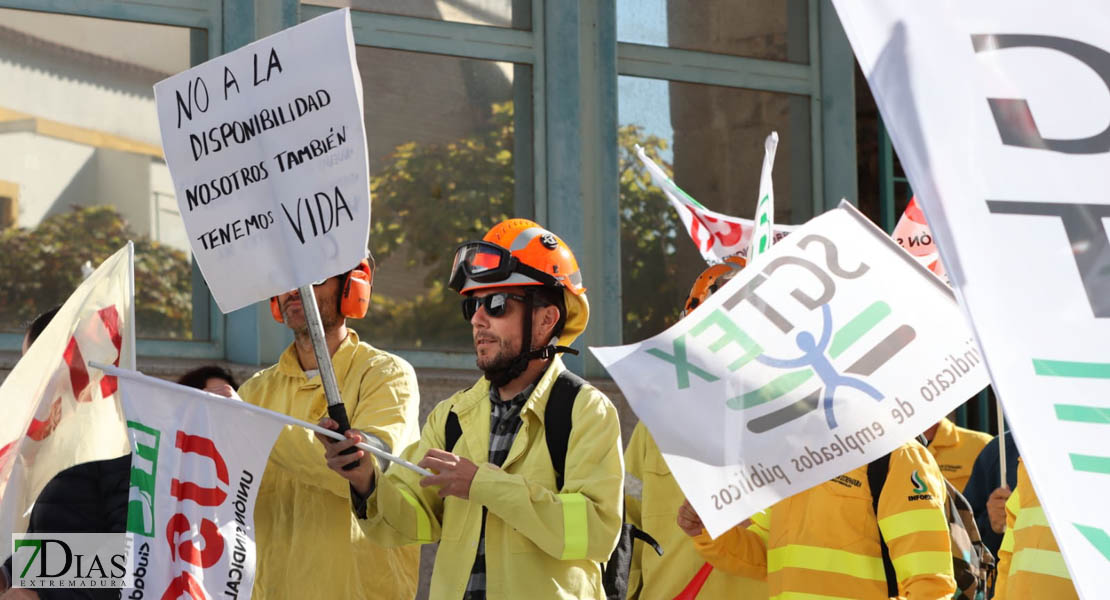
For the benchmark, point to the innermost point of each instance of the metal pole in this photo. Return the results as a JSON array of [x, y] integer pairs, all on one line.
[[1001, 442], [336, 410]]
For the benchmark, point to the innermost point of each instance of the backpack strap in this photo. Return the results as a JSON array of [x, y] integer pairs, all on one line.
[[452, 431], [876, 479], [557, 420]]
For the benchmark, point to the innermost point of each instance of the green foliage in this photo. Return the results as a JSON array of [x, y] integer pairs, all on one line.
[[41, 267], [432, 197]]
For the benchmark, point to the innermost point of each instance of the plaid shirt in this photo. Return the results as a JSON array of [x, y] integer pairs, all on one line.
[[504, 423]]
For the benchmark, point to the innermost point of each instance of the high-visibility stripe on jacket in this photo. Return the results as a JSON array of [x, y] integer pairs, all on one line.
[[955, 450], [1030, 565], [651, 501], [823, 543], [308, 543], [540, 542]]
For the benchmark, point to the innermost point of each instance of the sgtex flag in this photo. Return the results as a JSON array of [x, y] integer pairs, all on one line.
[[717, 236], [999, 110], [831, 351], [56, 411], [196, 467]]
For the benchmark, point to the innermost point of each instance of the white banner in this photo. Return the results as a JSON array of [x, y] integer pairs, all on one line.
[[267, 150], [196, 468], [56, 411], [998, 111], [833, 350], [717, 236], [762, 236]]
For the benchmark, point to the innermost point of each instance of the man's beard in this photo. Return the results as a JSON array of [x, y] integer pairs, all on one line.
[[497, 362]]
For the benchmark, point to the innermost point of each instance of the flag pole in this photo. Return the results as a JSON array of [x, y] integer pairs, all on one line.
[[336, 410], [1001, 442], [131, 324]]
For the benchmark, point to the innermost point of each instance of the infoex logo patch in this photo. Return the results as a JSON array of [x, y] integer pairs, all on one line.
[[71, 560]]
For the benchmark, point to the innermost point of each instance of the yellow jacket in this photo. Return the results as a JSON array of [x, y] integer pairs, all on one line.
[[308, 543], [651, 501], [540, 542], [1029, 562], [955, 449], [823, 543]]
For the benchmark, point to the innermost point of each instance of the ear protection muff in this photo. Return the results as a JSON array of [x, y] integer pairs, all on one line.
[[354, 300], [357, 287]]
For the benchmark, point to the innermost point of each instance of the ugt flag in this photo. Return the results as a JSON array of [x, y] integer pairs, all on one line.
[[58, 413], [196, 467], [832, 350], [717, 236], [999, 111]]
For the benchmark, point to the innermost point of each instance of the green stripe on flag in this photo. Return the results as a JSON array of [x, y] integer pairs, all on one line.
[[1066, 368], [1091, 464], [1083, 414], [1098, 538], [857, 327], [783, 384]]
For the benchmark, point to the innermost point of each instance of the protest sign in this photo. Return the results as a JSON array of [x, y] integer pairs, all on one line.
[[998, 111], [267, 150], [912, 233], [57, 411], [717, 236], [763, 235], [833, 350]]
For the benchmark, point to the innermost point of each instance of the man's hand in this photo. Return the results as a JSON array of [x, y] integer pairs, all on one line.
[[453, 472], [362, 476], [688, 520], [996, 509]]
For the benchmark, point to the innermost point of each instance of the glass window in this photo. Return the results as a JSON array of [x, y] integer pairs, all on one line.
[[710, 139], [81, 165], [441, 135], [499, 13], [776, 30]]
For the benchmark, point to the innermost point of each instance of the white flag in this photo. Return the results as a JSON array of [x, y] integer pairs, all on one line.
[[196, 468], [998, 111], [833, 350], [717, 236], [763, 237], [57, 412]]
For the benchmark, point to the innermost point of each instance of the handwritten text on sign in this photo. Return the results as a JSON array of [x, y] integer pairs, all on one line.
[[267, 150]]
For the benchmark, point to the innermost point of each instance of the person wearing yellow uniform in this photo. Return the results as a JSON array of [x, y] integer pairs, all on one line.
[[955, 449], [509, 524], [651, 496], [307, 541], [824, 543], [1030, 565]]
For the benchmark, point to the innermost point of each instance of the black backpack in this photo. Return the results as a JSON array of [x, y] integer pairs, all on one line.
[[972, 562], [557, 425]]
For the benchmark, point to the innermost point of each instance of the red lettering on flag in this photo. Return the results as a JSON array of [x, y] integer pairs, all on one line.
[[188, 490], [213, 542], [78, 373], [184, 584], [110, 317]]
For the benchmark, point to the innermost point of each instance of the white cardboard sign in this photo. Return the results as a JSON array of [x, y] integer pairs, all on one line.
[[833, 349], [267, 149]]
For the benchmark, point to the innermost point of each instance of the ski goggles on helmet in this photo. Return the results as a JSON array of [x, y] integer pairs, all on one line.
[[487, 263], [495, 304]]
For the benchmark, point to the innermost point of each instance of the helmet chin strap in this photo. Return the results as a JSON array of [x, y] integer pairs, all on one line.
[[502, 377]]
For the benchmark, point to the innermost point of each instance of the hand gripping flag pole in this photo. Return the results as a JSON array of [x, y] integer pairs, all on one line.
[[336, 410]]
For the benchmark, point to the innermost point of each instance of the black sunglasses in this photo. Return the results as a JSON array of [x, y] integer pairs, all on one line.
[[495, 304]]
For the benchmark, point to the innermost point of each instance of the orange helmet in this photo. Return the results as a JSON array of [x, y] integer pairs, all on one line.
[[711, 280], [519, 252]]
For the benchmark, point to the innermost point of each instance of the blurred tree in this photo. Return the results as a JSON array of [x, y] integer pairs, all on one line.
[[41, 267], [432, 197]]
